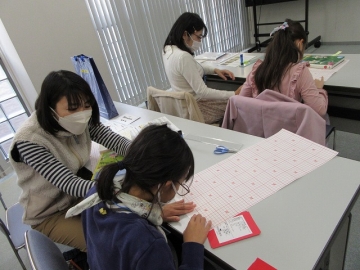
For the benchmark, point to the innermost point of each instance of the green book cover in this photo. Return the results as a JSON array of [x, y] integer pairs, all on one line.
[[106, 158], [323, 61]]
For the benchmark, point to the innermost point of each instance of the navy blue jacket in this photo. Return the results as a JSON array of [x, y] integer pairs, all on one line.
[[127, 241]]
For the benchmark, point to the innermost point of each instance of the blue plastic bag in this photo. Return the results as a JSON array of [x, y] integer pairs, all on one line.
[[86, 68]]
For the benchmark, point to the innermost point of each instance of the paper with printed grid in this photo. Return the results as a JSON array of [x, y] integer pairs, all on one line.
[[249, 176]]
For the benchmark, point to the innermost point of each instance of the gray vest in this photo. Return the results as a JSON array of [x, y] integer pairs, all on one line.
[[39, 197]]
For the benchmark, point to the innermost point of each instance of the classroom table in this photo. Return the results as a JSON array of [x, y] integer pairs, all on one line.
[[299, 223], [343, 87]]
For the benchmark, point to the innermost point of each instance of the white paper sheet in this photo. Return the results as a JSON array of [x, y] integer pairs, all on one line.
[[317, 73], [251, 175]]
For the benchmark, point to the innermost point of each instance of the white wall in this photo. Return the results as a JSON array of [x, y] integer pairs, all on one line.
[[16, 68], [334, 20], [46, 33]]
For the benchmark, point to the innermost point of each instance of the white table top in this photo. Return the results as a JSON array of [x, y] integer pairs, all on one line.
[[346, 77], [296, 223]]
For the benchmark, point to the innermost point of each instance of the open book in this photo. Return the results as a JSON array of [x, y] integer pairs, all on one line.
[[323, 61]]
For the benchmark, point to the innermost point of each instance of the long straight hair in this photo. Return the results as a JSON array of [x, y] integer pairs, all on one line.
[[281, 52], [157, 155]]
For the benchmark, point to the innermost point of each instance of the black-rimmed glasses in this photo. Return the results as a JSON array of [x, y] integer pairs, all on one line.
[[184, 188], [198, 36]]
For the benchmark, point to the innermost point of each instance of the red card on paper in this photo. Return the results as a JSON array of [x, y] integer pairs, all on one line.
[[259, 264], [240, 227]]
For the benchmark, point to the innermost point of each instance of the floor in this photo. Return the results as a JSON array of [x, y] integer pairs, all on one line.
[[347, 144]]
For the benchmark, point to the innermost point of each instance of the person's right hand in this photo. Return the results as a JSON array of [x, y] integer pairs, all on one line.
[[172, 211], [197, 229], [319, 83], [238, 90]]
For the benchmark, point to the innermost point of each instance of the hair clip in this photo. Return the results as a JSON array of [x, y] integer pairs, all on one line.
[[282, 27]]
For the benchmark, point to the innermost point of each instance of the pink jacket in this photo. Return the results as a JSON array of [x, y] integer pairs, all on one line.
[[271, 111], [297, 83]]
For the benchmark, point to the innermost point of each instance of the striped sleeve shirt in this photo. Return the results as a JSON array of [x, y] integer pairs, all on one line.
[[45, 163]]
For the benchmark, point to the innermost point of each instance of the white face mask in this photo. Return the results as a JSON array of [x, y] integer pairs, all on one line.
[[195, 45], [75, 123], [159, 195]]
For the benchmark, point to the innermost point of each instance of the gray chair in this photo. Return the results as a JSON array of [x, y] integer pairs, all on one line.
[[14, 229], [44, 254], [2, 202], [5, 231]]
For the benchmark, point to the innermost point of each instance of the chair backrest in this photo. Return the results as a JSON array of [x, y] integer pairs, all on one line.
[[2, 202], [43, 253], [181, 104], [270, 112], [15, 225], [5, 231]]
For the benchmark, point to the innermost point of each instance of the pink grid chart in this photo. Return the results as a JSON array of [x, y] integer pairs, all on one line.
[[251, 175]]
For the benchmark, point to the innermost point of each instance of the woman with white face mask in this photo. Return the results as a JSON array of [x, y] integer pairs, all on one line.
[[49, 153], [185, 74], [122, 213]]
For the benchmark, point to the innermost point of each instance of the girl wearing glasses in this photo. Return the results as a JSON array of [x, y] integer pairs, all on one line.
[[185, 74], [49, 153], [123, 212]]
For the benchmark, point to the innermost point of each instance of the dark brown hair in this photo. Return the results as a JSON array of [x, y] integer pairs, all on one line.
[[157, 155], [281, 52], [189, 22], [59, 84]]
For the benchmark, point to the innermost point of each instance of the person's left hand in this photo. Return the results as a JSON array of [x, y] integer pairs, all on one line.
[[319, 83], [223, 73], [172, 211]]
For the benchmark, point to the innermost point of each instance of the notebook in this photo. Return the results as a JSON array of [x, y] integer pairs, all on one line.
[[323, 61], [106, 158], [211, 56]]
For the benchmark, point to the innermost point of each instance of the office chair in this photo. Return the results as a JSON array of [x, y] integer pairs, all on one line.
[[180, 104], [271, 111], [44, 254]]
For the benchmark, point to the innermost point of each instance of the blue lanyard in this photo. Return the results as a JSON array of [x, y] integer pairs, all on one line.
[[122, 207]]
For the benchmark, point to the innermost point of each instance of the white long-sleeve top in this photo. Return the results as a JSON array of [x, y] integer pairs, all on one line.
[[185, 75]]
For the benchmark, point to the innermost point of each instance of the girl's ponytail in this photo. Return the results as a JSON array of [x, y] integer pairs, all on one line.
[[105, 183]]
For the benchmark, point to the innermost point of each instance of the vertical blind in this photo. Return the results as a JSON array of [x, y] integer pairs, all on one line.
[[132, 34]]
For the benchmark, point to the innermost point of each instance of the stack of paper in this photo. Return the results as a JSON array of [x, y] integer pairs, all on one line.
[[211, 56]]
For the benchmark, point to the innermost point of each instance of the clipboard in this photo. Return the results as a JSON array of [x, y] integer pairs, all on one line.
[[240, 227]]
